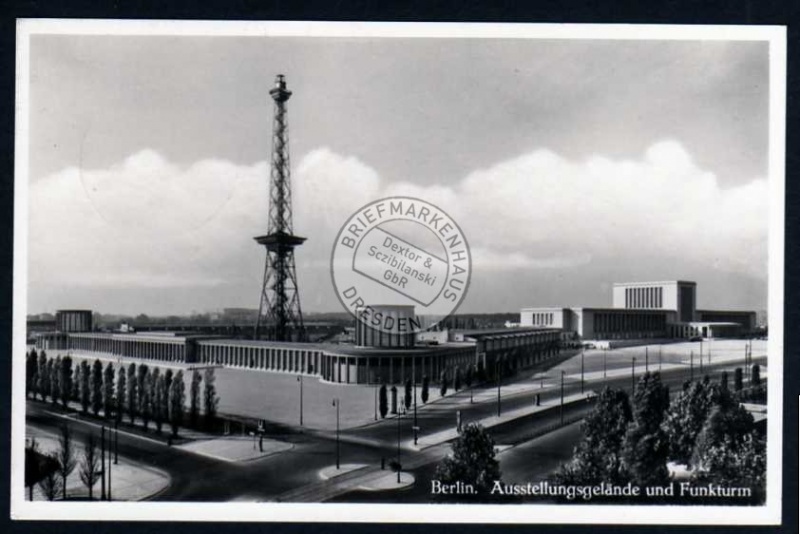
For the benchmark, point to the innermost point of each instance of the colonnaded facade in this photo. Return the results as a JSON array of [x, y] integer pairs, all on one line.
[[515, 348]]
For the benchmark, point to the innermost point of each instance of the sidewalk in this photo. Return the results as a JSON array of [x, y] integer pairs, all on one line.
[[443, 436], [130, 481], [236, 448]]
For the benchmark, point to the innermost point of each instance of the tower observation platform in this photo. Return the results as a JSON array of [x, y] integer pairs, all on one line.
[[280, 317]]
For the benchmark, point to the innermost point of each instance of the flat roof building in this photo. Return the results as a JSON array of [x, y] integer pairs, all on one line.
[[337, 363], [644, 310]]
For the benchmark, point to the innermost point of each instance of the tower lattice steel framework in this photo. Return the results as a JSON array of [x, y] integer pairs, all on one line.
[[279, 316]]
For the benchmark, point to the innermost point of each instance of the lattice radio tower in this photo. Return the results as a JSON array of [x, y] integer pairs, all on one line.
[[279, 315]]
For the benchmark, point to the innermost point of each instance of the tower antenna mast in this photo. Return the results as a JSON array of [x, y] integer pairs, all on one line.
[[280, 317]]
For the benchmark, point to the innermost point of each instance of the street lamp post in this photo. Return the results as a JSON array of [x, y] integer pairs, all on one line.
[[604, 363], [414, 375], [116, 442], [562, 396], [701, 355], [108, 495], [691, 365], [376, 397], [472, 382], [300, 379], [582, 353], [633, 374], [399, 467], [103, 463], [748, 349], [416, 424], [497, 373], [646, 360], [336, 403], [746, 364], [659, 357]]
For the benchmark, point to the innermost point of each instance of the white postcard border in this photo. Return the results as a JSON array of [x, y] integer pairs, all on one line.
[[770, 513]]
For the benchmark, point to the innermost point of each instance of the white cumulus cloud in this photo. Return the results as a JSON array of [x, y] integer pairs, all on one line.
[[151, 223]]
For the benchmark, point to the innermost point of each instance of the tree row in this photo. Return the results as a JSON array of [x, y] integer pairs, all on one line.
[[131, 391]]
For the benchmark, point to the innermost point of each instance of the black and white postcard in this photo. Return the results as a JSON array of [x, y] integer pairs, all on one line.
[[406, 272]]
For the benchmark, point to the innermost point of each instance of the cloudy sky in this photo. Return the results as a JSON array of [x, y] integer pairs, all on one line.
[[569, 164]]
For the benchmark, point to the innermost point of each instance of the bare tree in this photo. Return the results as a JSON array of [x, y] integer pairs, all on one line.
[[32, 465], [66, 457], [51, 483], [90, 464]]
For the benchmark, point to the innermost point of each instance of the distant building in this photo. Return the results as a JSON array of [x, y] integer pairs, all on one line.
[[66, 322], [74, 320], [36, 327], [241, 316], [642, 310]]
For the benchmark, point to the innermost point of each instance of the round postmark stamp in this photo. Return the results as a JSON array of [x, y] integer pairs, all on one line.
[[400, 265]]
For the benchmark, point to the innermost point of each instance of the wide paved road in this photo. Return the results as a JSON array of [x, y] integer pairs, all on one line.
[[200, 478], [441, 415], [531, 457]]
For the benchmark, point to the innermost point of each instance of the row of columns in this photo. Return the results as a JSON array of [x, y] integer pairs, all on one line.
[[339, 368], [395, 369], [146, 349], [542, 319], [392, 369], [260, 357], [643, 297]]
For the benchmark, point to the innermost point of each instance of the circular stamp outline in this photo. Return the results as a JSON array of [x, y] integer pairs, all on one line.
[[369, 228]]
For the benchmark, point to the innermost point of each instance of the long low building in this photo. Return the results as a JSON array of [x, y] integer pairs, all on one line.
[[644, 310], [339, 363]]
